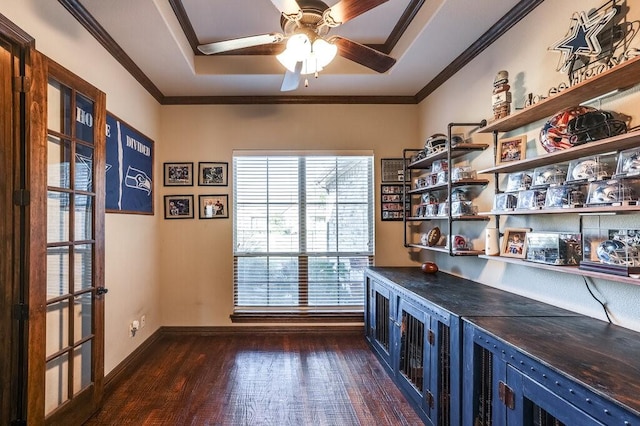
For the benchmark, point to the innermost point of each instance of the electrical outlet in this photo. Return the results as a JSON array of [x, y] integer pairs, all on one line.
[[133, 328], [143, 321]]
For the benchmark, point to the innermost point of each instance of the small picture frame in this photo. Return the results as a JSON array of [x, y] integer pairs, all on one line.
[[178, 207], [178, 174], [511, 149], [214, 206], [213, 174], [514, 242], [393, 170]]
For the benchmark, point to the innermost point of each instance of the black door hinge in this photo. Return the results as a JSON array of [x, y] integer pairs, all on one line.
[[505, 393], [21, 312], [21, 84], [21, 197], [429, 399]]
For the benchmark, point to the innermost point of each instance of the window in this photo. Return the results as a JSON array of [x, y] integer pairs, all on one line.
[[303, 231]]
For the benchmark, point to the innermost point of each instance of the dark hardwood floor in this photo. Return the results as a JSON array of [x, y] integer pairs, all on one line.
[[258, 379]]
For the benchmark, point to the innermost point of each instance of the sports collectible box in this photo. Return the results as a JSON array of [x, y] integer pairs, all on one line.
[[504, 202], [549, 175], [612, 192], [439, 165], [463, 208], [629, 163], [554, 248], [598, 167], [565, 196], [518, 181], [613, 251], [462, 173], [531, 199]]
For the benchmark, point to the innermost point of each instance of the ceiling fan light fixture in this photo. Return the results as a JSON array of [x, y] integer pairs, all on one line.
[[314, 56]]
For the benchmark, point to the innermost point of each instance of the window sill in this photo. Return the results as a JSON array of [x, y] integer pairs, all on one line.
[[297, 317]]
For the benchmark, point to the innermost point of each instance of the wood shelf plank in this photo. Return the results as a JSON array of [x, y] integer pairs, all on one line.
[[443, 249], [457, 151], [622, 76], [573, 270], [615, 143], [576, 210]]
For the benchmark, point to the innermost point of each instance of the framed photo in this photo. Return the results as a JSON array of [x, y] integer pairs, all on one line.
[[178, 207], [514, 242], [214, 206], [393, 170], [394, 205], [511, 149], [178, 174], [213, 174]]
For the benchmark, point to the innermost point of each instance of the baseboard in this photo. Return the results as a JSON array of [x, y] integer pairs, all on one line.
[[135, 358], [253, 329]]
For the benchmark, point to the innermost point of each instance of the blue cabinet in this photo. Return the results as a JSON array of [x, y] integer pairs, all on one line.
[[380, 320], [511, 375]]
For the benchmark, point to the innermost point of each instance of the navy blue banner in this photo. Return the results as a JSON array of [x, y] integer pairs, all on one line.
[[129, 169]]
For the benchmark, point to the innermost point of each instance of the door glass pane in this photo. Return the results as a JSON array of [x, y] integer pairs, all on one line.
[[84, 118], [82, 320], [57, 327], [57, 217], [82, 367], [58, 160], [82, 272], [59, 108], [83, 217], [84, 168], [57, 271], [56, 382]]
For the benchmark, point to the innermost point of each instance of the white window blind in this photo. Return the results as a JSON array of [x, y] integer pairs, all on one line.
[[303, 231]]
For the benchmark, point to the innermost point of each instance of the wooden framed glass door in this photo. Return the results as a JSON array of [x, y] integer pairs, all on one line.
[[72, 289]]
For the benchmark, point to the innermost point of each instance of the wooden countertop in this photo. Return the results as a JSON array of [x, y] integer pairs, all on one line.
[[462, 297], [601, 356]]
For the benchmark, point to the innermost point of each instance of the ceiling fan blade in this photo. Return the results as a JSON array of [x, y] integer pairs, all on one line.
[[240, 43], [346, 10], [291, 79], [288, 7], [364, 55]]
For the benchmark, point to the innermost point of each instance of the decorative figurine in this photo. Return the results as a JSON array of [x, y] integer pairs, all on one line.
[[501, 99]]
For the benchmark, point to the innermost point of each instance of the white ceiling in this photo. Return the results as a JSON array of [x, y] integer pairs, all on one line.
[[150, 34]]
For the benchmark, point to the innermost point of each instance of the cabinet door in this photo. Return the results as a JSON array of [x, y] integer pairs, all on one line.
[[413, 362], [380, 321], [534, 404]]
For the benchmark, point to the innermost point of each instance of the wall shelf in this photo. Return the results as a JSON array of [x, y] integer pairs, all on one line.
[[615, 143], [621, 76], [578, 210], [457, 151], [573, 270], [445, 186], [443, 249]]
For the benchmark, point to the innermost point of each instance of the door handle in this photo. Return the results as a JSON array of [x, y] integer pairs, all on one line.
[[101, 290]]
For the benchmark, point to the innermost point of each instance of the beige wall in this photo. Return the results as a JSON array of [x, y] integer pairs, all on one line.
[[196, 260], [132, 241], [467, 97]]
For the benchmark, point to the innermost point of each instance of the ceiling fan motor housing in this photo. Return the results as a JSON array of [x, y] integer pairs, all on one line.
[[312, 11]]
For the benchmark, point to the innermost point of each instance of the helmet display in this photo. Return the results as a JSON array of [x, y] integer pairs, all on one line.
[[615, 252], [576, 125], [584, 170], [435, 143], [552, 175], [429, 198], [459, 194], [609, 192]]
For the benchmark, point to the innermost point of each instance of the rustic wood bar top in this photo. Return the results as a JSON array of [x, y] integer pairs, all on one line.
[[462, 297], [601, 356]]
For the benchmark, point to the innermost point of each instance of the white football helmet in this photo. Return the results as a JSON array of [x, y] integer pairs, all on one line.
[[615, 252]]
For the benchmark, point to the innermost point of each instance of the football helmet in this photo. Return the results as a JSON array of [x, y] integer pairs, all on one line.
[[435, 143], [577, 125], [631, 164], [610, 192], [552, 175], [615, 252], [429, 198], [584, 170], [459, 194]]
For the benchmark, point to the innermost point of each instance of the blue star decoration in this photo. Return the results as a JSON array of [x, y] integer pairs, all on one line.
[[582, 38]]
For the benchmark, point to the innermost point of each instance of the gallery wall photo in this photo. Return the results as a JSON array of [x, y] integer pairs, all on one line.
[[129, 179]]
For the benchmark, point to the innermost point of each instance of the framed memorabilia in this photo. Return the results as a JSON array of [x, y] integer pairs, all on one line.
[[178, 207], [213, 174], [214, 206], [178, 174], [394, 204], [129, 171], [511, 149], [392, 170], [514, 242]]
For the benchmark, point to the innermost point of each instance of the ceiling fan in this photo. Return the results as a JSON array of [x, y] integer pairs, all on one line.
[[305, 24]]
